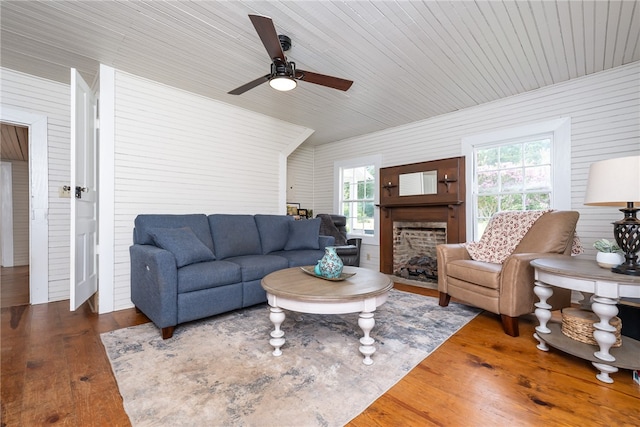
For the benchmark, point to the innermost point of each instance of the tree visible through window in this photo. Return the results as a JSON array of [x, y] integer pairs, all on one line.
[[358, 199], [512, 176]]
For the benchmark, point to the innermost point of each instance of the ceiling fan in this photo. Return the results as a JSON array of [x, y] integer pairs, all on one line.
[[283, 75]]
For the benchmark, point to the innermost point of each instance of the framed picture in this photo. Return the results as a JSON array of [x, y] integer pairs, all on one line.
[[292, 208], [303, 213]]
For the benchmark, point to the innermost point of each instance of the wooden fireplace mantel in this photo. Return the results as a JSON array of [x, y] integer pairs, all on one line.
[[447, 204]]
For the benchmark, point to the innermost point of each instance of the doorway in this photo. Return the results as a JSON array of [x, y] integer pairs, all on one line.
[[14, 215], [38, 198]]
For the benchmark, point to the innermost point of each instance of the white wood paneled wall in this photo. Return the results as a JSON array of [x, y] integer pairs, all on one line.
[[300, 178], [20, 171], [604, 109], [177, 152], [35, 95]]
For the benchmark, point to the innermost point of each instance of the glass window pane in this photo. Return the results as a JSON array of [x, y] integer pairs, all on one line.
[[511, 180], [510, 156], [511, 202], [346, 191], [361, 192], [370, 191], [538, 178], [537, 152], [488, 182], [538, 201], [487, 158], [487, 206]]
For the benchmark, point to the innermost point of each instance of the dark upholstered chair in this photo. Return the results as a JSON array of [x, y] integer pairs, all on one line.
[[347, 249]]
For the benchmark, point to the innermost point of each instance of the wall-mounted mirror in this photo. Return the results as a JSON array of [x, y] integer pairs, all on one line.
[[418, 183]]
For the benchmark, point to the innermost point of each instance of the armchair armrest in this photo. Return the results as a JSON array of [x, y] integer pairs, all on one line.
[[445, 254], [517, 283], [154, 284]]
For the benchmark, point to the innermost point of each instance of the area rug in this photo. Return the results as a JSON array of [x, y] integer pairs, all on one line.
[[220, 371]]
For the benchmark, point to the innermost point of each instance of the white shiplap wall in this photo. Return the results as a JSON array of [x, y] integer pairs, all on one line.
[[31, 94], [20, 181], [177, 152], [605, 123], [300, 177]]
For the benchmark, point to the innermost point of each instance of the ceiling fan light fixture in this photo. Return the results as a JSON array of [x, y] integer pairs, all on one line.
[[283, 83]]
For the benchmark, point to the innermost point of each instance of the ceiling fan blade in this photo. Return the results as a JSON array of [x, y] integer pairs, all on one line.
[[267, 32], [321, 79], [245, 87]]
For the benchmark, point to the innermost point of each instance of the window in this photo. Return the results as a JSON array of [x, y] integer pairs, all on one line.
[[512, 176], [357, 195], [517, 170]]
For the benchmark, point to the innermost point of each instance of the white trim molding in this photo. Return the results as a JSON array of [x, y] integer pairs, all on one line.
[[38, 200]]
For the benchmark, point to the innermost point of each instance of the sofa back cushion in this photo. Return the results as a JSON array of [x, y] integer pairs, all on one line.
[[303, 234], [196, 222], [274, 231], [234, 235]]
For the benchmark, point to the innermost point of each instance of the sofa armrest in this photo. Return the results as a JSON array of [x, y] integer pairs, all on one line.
[[517, 283], [154, 284], [445, 254]]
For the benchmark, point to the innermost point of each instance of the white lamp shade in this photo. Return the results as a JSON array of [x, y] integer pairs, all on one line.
[[614, 182], [283, 83]]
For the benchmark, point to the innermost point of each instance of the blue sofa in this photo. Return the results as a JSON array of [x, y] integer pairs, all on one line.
[[187, 267]]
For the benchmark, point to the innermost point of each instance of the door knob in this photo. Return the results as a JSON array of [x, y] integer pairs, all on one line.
[[80, 190]]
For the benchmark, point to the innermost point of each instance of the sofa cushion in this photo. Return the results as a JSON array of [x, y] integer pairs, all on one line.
[[234, 235], [183, 243], [274, 231], [303, 234], [204, 275], [255, 267], [197, 222], [301, 257]]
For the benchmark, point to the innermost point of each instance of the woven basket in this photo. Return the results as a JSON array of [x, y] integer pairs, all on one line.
[[577, 324]]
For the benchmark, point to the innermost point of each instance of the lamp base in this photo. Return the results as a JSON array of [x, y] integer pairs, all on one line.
[[631, 270]]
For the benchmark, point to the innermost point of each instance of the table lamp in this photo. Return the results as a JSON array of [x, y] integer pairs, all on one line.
[[616, 182]]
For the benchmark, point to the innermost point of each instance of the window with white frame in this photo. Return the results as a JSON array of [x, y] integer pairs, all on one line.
[[357, 194], [518, 170]]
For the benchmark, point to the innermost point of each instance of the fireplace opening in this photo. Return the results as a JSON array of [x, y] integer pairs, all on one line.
[[414, 249]]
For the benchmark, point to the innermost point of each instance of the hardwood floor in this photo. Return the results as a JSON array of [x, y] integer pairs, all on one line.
[[15, 286], [55, 371]]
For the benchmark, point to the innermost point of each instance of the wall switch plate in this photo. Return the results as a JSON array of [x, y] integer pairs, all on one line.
[[64, 194]]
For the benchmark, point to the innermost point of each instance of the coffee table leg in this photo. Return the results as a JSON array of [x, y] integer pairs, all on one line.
[[277, 335], [366, 323]]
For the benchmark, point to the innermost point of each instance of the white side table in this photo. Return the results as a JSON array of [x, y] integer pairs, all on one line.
[[585, 276]]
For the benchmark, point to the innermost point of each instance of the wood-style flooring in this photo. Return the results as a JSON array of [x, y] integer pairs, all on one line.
[[55, 371], [14, 282]]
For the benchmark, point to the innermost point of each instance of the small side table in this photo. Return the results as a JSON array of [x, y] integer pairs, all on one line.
[[585, 276]]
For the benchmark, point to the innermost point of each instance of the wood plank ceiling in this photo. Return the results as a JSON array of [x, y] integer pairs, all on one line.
[[409, 60], [14, 143]]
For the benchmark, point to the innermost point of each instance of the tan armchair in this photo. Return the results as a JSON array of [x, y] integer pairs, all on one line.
[[507, 289]]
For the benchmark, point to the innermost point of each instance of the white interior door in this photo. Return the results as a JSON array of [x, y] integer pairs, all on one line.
[[84, 196]]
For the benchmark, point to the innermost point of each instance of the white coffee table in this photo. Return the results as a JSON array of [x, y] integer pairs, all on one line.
[[293, 289]]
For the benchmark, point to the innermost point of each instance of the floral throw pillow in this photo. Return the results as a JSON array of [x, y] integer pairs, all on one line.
[[503, 233]]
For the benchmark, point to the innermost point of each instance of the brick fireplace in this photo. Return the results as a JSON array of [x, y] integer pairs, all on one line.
[[414, 249], [411, 225]]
